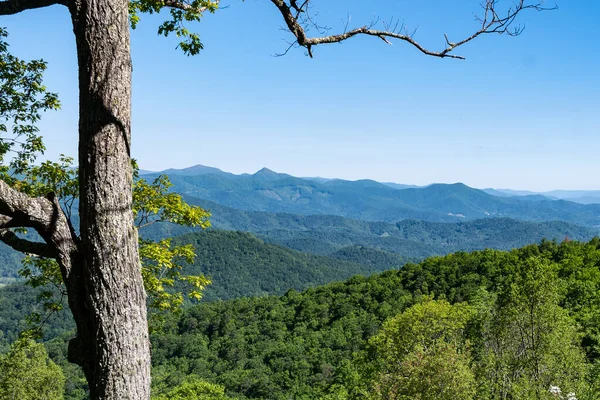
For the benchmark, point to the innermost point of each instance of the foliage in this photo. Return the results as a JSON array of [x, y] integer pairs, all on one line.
[[422, 354], [26, 373], [307, 344], [315, 344], [527, 341], [161, 261], [23, 98], [190, 43], [194, 389]]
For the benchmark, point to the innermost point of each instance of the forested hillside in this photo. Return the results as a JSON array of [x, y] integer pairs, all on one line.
[[304, 345], [335, 236], [330, 341], [325, 234], [242, 265]]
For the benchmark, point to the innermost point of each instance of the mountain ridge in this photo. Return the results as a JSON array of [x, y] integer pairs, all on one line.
[[578, 196], [366, 199]]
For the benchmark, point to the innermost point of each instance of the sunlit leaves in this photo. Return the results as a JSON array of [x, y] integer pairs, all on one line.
[[422, 354], [162, 266], [180, 12], [41, 271], [528, 342], [162, 263], [152, 202], [27, 373]]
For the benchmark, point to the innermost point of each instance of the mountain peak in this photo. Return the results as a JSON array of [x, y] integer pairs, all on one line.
[[265, 170], [266, 173], [197, 169]]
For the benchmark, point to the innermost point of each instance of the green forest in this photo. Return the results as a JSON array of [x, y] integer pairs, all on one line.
[[490, 324]]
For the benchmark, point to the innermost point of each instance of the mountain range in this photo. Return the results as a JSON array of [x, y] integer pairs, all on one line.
[[368, 223], [576, 196], [270, 191]]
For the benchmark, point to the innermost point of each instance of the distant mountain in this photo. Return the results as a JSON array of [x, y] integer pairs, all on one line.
[[317, 179], [265, 174], [411, 239], [509, 192], [400, 185], [576, 196], [194, 170], [270, 191], [146, 172], [595, 199]]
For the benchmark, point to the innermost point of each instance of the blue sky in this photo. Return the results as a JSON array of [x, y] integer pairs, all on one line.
[[519, 113]]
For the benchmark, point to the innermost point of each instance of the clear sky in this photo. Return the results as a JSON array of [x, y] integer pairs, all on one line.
[[521, 113]]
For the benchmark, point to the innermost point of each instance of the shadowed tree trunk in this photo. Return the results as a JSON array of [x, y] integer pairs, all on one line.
[[112, 345]]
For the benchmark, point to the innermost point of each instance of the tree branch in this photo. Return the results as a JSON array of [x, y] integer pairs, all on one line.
[[10, 7], [298, 19], [26, 246], [46, 217], [20, 244]]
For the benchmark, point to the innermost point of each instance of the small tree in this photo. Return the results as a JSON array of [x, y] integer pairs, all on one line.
[[528, 342], [421, 354], [26, 373], [195, 389]]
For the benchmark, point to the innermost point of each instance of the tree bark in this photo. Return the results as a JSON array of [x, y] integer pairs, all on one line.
[[112, 344]]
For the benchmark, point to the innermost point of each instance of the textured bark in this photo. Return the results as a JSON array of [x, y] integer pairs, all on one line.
[[112, 344], [46, 217]]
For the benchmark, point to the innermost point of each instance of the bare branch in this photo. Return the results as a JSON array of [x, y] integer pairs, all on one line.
[[298, 20], [10, 7]]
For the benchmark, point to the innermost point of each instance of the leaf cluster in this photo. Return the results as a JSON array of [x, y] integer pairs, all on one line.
[[23, 99], [181, 12]]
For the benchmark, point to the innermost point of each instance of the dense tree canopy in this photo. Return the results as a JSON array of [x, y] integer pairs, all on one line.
[[26, 373], [335, 340]]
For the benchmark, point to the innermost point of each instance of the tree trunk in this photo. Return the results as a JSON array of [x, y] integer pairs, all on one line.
[[112, 343]]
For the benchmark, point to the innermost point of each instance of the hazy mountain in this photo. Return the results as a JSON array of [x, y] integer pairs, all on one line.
[[317, 179], [509, 192], [270, 191], [265, 174], [412, 239], [400, 185], [576, 196], [194, 170], [595, 199]]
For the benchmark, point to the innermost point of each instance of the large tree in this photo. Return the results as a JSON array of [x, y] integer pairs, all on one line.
[[100, 265]]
